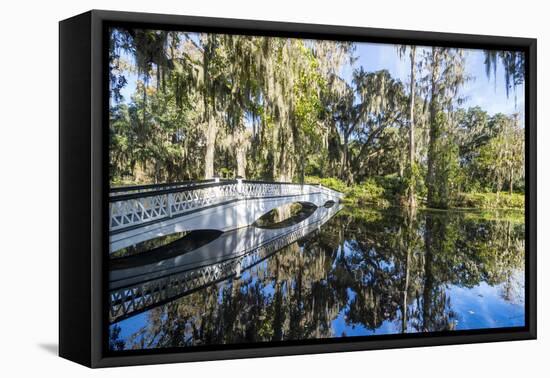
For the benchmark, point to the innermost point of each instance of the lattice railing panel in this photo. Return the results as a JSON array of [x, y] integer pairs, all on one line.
[[146, 207]]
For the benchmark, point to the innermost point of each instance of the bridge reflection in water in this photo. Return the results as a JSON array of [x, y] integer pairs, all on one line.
[[135, 289]]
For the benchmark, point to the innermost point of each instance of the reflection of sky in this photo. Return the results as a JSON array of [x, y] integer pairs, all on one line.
[[130, 326], [489, 93], [484, 307], [479, 307]]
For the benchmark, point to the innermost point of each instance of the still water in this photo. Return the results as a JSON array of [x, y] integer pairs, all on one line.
[[345, 272]]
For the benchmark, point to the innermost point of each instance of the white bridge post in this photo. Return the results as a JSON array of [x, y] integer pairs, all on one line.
[[240, 211], [169, 203], [240, 186]]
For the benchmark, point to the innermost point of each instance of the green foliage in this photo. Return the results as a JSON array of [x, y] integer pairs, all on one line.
[[445, 179], [369, 192], [394, 186], [414, 179], [501, 159], [329, 182], [279, 109], [381, 191]]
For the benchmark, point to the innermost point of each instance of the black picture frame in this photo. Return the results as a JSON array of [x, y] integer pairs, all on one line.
[[83, 193]]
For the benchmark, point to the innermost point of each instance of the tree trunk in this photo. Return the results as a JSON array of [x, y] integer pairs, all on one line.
[[240, 152], [144, 101], [211, 132], [412, 197], [241, 162], [286, 171], [302, 170], [434, 109], [344, 167]]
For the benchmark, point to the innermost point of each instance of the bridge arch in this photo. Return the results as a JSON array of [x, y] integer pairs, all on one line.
[[286, 215]]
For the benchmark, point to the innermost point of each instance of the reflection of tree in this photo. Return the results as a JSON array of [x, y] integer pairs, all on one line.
[[408, 243], [436, 307], [367, 268], [115, 343]]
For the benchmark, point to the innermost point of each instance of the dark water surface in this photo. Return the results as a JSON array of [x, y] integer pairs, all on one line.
[[363, 272]]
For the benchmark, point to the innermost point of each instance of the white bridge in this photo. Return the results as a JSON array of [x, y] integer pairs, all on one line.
[[142, 213]]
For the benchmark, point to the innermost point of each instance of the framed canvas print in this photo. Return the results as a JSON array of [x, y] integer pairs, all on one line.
[[234, 188]]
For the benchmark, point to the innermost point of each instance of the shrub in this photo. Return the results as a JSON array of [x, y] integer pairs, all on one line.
[[368, 192], [329, 182]]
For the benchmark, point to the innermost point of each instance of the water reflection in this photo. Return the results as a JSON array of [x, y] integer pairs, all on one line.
[[362, 273]]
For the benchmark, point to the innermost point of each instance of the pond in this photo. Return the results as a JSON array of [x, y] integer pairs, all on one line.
[[358, 273]]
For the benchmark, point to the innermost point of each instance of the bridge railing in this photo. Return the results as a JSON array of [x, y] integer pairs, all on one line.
[[121, 190], [138, 207]]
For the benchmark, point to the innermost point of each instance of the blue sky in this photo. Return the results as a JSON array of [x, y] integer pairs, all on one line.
[[483, 91]]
